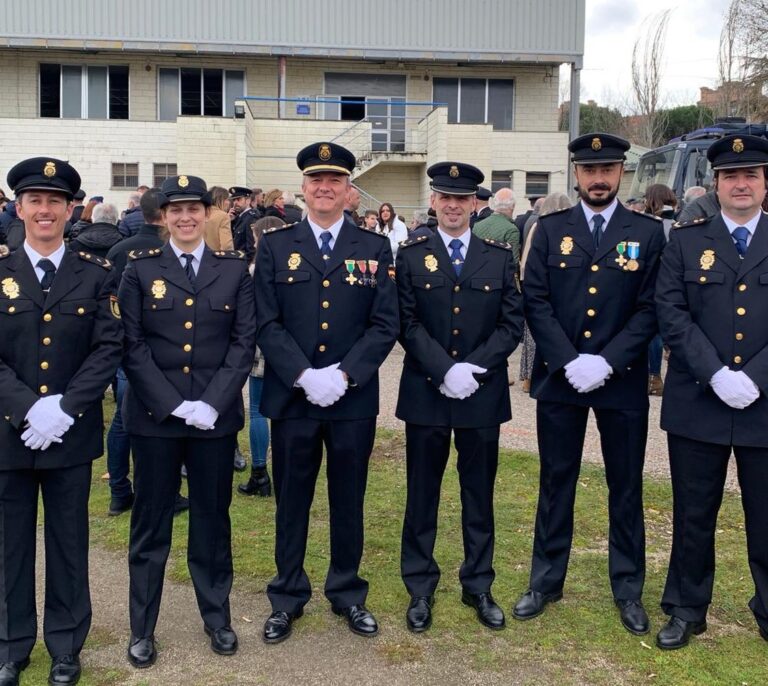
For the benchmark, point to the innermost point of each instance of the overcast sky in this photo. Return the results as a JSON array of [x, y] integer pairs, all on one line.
[[690, 57]]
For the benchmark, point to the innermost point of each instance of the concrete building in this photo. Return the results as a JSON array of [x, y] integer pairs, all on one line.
[[133, 92]]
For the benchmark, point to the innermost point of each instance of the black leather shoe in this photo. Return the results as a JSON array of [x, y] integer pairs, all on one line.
[[142, 652], [240, 463], [65, 669], [634, 617], [259, 483], [223, 641], [180, 505], [677, 632], [10, 672], [418, 617], [532, 604], [488, 612], [359, 619], [278, 627], [119, 505]]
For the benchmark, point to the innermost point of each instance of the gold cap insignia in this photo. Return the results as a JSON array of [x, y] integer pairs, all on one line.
[[454, 171], [183, 181], [597, 144], [738, 145], [158, 288], [10, 288], [49, 169], [430, 262], [324, 152]]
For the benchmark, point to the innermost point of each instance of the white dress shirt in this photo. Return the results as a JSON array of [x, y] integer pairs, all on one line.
[[334, 229], [197, 255], [35, 257], [464, 238], [750, 226], [606, 212]]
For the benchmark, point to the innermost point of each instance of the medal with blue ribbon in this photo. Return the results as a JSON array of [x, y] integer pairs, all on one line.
[[633, 251]]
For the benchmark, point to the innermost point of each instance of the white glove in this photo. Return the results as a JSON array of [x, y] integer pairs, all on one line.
[[203, 416], [459, 381], [324, 386], [735, 389], [587, 372], [184, 410], [47, 418], [36, 441]]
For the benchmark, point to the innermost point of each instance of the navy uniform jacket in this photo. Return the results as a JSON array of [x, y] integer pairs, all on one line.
[[713, 312], [67, 342], [476, 317], [581, 301], [310, 315], [184, 342]]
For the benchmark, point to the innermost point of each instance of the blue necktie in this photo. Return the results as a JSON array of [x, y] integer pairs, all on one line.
[[456, 258], [597, 221], [325, 248], [188, 268], [740, 235]]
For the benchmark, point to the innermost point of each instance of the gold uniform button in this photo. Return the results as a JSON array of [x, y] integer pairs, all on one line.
[[562, 265], [737, 359], [326, 283], [592, 290], [741, 311], [43, 365], [189, 302], [456, 310], [486, 287], [742, 287], [428, 286], [703, 279], [587, 334], [455, 353], [739, 336], [591, 313], [43, 389], [324, 326], [455, 332], [290, 279], [47, 317], [227, 307], [321, 348], [187, 325], [456, 289], [185, 370], [594, 267], [81, 310], [46, 341], [11, 309], [187, 348], [326, 304]]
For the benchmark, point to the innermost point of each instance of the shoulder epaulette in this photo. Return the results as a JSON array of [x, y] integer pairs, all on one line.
[[498, 244], [552, 214], [647, 216], [281, 228], [693, 222], [373, 231], [230, 254], [140, 254], [412, 241], [95, 259], [4, 251]]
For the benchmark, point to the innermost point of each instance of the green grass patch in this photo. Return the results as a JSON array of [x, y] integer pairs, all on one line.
[[578, 640]]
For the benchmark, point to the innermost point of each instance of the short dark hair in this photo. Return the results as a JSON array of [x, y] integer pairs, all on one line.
[[150, 203]]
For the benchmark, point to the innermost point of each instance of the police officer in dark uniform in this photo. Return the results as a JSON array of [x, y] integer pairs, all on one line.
[[483, 195], [190, 328], [60, 346], [712, 303], [243, 218], [327, 318], [588, 295], [460, 318]]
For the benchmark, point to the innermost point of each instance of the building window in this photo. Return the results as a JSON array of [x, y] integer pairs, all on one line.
[[193, 91], [477, 101], [161, 172], [501, 179], [81, 92], [536, 184], [125, 176]]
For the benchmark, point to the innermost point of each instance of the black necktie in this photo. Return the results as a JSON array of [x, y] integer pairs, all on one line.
[[740, 235], [325, 247], [597, 221], [50, 271], [188, 267]]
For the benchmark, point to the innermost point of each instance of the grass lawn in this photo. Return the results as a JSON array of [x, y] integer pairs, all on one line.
[[578, 640]]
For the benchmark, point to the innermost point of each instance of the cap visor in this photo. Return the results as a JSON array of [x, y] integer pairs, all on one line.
[[319, 168], [452, 191]]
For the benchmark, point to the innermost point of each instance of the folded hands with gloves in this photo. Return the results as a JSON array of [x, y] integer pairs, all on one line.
[[460, 382], [323, 386], [46, 423], [587, 372], [734, 388]]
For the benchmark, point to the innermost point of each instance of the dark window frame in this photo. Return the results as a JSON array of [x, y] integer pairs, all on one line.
[[129, 181], [454, 108], [158, 178], [113, 72], [206, 103]]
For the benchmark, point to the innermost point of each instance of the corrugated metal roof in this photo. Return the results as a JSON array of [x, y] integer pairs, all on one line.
[[487, 30]]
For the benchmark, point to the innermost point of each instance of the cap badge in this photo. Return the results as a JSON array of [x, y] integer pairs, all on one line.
[[324, 153], [597, 144], [454, 172], [430, 262], [183, 181], [738, 145], [707, 260], [158, 288], [294, 261], [10, 288], [50, 169]]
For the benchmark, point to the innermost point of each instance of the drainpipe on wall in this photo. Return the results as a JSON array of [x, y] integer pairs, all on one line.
[[573, 125], [281, 68]]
